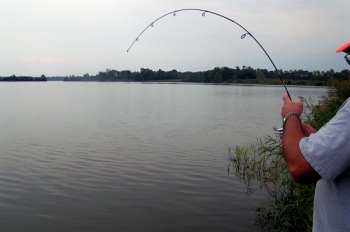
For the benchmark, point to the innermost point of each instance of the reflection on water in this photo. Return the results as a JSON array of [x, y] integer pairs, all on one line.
[[129, 156]]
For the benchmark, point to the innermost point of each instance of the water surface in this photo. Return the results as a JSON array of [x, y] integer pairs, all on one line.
[[130, 156]]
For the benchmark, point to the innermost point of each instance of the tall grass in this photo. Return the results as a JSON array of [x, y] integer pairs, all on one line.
[[289, 206], [318, 115]]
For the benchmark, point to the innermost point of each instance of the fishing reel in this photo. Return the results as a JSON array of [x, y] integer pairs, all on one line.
[[279, 133]]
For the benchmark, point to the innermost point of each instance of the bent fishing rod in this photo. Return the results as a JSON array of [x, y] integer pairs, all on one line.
[[222, 16]]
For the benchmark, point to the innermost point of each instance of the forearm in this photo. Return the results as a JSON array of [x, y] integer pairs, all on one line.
[[299, 168]]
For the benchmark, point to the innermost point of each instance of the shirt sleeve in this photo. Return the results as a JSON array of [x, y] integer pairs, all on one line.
[[328, 150]]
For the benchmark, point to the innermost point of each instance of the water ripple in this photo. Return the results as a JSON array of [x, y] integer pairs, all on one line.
[[120, 157]]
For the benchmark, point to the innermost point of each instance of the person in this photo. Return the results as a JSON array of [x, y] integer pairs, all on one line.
[[322, 156]]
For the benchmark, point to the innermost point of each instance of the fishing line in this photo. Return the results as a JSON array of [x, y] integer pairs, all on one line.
[[222, 16]]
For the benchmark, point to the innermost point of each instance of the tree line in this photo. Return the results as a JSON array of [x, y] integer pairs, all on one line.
[[246, 74], [23, 78]]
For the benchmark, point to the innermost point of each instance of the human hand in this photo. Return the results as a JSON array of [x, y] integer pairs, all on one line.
[[307, 129], [289, 106]]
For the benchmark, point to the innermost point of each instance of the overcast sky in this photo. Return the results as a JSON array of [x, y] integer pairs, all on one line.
[[74, 37]]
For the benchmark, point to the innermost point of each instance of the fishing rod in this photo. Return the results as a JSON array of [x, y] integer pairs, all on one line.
[[210, 12]]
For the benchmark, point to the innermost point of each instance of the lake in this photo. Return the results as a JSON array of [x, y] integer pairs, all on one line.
[[79, 156]]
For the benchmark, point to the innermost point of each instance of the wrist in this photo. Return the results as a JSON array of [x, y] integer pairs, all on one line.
[[290, 114]]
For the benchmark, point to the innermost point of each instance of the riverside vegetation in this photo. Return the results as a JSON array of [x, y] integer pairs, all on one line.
[[244, 75], [23, 78], [290, 205]]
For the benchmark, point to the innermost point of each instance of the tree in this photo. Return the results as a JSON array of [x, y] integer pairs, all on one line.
[[43, 77], [260, 75], [146, 74], [125, 74], [217, 77], [161, 75]]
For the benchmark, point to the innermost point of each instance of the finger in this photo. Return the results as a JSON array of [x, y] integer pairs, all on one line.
[[286, 97], [304, 126]]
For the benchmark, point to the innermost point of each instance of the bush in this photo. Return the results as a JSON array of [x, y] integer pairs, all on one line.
[[319, 115]]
